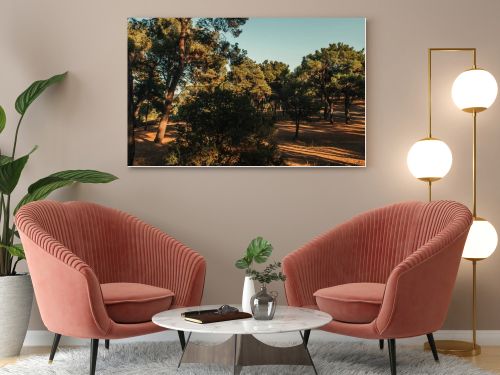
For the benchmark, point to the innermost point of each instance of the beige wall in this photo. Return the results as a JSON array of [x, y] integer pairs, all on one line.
[[81, 124]]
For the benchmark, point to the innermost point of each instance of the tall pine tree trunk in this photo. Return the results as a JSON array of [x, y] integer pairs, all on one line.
[[169, 97], [137, 115], [148, 110], [297, 126], [330, 112], [347, 109]]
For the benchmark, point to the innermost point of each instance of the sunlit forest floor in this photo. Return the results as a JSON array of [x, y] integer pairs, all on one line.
[[319, 144], [149, 153]]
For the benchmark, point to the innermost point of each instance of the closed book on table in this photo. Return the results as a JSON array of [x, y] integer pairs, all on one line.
[[212, 317]]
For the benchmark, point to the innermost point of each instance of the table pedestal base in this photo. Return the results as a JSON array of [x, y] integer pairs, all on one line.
[[246, 350]]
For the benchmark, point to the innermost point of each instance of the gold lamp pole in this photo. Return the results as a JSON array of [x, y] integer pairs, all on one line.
[[475, 349], [473, 91], [429, 159]]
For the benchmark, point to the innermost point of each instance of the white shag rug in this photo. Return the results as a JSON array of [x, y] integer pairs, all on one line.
[[155, 358]]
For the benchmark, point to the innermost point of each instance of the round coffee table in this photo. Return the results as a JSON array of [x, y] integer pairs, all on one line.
[[242, 348]]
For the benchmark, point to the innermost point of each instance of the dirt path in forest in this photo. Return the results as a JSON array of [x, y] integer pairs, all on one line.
[[323, 144], [319, 144], [146, 151]]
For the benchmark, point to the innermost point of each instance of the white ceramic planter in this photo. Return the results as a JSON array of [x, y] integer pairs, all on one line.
[[248, 292], [16, 298]]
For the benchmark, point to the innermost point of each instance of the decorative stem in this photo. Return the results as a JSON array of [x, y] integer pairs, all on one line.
[[3, 252], [5, 234], [6, 239], [15, 137], [14, 266]]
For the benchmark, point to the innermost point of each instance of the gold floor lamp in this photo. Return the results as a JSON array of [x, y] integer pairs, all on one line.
[[430, 159]]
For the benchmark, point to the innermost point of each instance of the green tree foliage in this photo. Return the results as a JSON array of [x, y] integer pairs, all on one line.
[[138, 68], [335, 72], [352, 78], [247, 77], [276, 74], [299, 100], [223, 127], [187, 50]]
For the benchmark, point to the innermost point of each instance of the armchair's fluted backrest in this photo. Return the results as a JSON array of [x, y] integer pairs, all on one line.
[[368, 247], [380, 243], [94, 233], [386, 236]]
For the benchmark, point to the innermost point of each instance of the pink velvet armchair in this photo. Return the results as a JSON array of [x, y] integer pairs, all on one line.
[[99, 273], [385, 274]]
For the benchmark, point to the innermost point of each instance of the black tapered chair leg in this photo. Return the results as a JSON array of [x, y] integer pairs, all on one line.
[[106, 344], [182, 339], [55, 344], [432, 344], [94, 346], [392, 355], [307, 333], [381, 344]]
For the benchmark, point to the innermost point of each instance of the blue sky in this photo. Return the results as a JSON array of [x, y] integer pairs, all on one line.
[[289, 39]]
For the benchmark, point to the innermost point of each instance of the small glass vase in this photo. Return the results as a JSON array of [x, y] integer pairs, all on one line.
[[263, 304]]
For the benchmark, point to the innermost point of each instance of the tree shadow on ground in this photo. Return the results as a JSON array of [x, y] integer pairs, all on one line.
[[320, 143]]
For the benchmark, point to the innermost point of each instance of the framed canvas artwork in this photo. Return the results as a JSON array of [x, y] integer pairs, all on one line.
[[253, 92]]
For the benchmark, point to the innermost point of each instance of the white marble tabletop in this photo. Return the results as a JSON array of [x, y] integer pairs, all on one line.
[[286, 319]]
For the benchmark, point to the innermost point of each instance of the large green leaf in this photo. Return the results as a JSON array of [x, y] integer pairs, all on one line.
[[46, 183], [31, 93], [42, 193], [10, 172], [259, 250], [89, 176], [15, 250], [3, 119], [4, 159], [86, 176], [43, 187], [242, 263]]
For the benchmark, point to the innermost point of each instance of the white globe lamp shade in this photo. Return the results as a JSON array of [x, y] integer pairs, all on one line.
[[429, 159], [474, 90], [481, 241]]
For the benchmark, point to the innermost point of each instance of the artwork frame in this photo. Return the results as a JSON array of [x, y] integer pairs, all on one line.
[[231, 106]]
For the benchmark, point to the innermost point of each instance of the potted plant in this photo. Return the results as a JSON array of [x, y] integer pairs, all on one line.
[[259, 250], [16, 291]]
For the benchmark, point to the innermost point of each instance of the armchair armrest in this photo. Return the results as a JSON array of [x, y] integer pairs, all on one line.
[[68, 292], [419, 289]]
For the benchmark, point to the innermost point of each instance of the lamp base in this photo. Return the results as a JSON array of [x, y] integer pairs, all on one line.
[[456, 348]]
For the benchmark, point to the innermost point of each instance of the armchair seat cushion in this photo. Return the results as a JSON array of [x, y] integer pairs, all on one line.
[[351, 303], [133, 302]]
